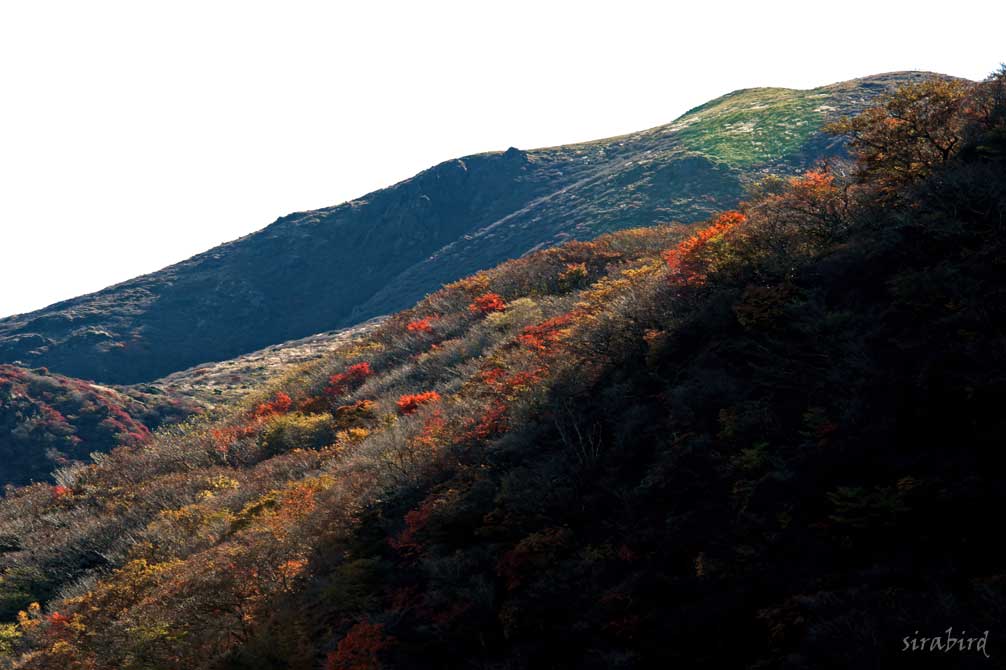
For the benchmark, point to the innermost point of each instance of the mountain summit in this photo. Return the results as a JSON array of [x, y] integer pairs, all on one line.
[[314, 271]]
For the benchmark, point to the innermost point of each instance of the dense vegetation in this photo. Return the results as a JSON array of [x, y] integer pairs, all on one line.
[[774, 441], [315, 271], [47, 420]]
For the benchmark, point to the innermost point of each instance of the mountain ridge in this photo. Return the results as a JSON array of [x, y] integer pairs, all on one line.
[[329, 268]]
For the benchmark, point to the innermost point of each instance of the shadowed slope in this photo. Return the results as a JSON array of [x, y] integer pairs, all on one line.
[[314, 271]]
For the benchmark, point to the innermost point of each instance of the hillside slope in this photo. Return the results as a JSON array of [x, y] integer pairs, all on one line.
[[784, 425], [315, 271], [227, 382], [49, 421]]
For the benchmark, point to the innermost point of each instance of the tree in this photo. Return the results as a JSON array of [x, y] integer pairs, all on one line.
[[360, 649], [918, 128]]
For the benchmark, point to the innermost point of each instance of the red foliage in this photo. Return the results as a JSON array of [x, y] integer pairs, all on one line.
[[451, 614], [487, 303], [492, 422], [56, 619], [415, 520], [60, 491], [503, 388], [684, 260], [224, 437], [360, 649], [509, 385], [424, 325], [343, 382], [281, 404], [410, 402], [433, 429], [68, 418], [544, 336]]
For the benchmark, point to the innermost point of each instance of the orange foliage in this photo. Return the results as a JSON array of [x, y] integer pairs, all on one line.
[[424, 325], [224, 437], [433, 429], [573, 275], [544, 336], [360, 649], [813, 181], [487, 303], [686, 261], [410, 402]]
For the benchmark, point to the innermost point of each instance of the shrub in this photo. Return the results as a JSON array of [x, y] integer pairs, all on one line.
[[344, 382], [424, 325], [297, 431], [410, 402], [487, 303]]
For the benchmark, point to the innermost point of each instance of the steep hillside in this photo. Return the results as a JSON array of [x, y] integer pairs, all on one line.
[[48, 421], [784, 426], [316, 271]]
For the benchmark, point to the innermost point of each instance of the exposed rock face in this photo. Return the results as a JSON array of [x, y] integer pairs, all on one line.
[[315, 271]]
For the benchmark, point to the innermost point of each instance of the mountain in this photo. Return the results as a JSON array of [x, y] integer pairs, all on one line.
[[316, 271], [771, 440]]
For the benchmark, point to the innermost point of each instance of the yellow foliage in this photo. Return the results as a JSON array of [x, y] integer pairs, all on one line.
[[9, 636], [223, 483], [297, 431]]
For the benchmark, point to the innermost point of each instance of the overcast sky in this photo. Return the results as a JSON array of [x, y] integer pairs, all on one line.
[[135, 134]]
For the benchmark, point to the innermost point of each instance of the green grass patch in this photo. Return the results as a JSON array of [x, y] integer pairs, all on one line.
[[753, 126]]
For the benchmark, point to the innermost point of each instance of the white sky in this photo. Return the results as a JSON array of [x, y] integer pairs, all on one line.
[[134, 134]]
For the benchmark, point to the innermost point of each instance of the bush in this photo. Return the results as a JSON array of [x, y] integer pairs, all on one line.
[[297, 431]]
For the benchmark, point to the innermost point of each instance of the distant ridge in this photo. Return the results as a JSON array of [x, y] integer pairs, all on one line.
[[315, 271]]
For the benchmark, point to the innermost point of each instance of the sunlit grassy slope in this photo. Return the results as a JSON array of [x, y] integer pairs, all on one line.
[[755, 125]]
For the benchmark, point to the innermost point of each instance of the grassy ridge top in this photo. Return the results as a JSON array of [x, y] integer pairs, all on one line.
[[755, 125]]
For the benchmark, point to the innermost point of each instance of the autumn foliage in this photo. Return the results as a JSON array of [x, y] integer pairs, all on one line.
[[487, 303], [343, 382], [49, 421], [545, 336], [280, 404], [410, 402], [424, 325], [917, 129], [691, 260], [360, 649]]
